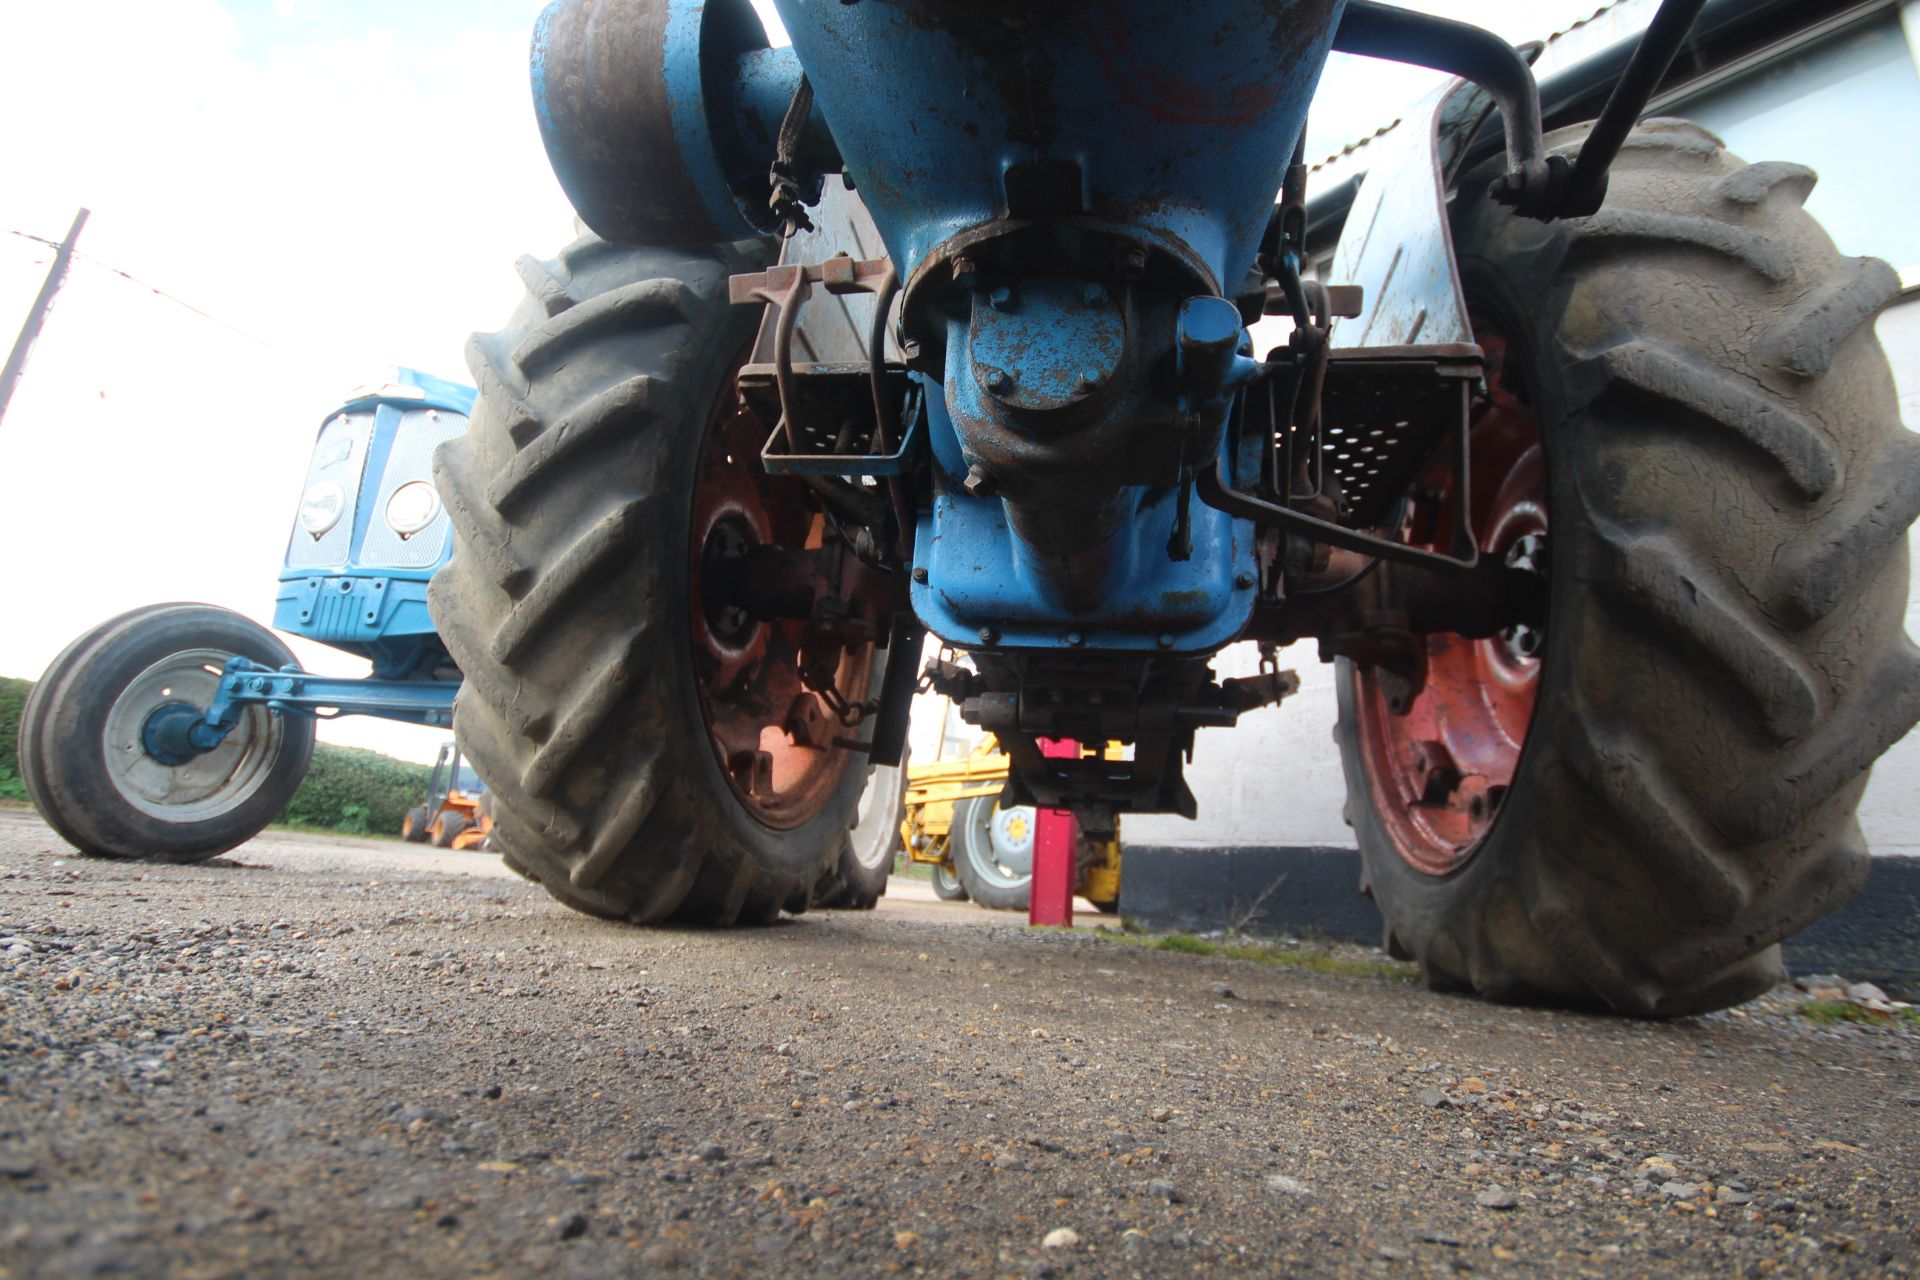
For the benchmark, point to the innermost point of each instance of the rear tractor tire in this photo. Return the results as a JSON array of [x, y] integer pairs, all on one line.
[[629, 728], [89, 765], [1692, 434], [858, 880], [413, 828]]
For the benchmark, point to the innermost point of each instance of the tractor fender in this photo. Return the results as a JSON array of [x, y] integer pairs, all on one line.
[[1397, 245], [659, 116]]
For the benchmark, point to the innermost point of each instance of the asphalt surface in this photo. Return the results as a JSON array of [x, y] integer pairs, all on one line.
[[326, 1057]]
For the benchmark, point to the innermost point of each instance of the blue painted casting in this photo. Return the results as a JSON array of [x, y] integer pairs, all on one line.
[[168, 735], [244, 683], [1072, 192], [1180, 118]]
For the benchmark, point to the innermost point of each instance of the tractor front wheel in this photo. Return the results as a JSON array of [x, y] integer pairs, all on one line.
[[450, 827], [946, 883], [100, 778]]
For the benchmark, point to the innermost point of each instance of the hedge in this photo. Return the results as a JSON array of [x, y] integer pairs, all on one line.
[[13, 696], [348, 789], [357, 792]]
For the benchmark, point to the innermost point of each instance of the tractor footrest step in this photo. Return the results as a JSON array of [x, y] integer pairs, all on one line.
[[833, 419], [1382, 412]]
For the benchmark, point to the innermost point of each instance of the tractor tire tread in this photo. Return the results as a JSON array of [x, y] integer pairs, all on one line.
[[1804, 340], [1753, 185], [1717, 398], [542, 285], [1661, 580], [1831, 568]]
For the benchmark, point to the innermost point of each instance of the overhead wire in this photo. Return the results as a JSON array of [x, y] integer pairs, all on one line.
[[92, 261]]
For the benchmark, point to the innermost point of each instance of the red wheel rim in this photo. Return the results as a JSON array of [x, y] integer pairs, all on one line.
[[748, 672], [1440, 773]]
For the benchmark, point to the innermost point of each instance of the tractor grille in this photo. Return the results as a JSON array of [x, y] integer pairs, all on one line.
[[339, 455], [421, 431]]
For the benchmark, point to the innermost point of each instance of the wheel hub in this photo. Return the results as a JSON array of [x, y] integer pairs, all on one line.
[[772, 735], [1011, 833], [727, 544], [166, 736], [1442, 762], [148, 723]]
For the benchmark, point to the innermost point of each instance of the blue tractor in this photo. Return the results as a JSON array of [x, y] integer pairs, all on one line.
[[178, 731], [1578, 457]]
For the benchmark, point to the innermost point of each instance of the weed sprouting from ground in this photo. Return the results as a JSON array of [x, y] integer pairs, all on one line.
[[1830, 1012], [1306, 956]]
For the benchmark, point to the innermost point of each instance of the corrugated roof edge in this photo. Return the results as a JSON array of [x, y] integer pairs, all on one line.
[[1552, 59], [1574, 64]]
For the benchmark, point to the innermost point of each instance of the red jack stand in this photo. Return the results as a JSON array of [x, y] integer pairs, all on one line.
[[1051, 900]]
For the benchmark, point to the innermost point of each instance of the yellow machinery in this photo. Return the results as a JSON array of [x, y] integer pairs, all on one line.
[[953, 822], [452, 816]]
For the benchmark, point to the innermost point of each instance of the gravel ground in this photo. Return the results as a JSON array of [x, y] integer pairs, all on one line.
[[321, 1057]]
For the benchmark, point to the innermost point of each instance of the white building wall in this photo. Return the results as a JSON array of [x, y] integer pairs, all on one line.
[[1890, 814]]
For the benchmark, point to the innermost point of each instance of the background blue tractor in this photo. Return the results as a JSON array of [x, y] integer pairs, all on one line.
[[1578, 456], [178, 731]]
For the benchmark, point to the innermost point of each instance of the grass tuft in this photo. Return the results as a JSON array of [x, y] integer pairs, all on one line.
[[1831, 1012], [1308, 957]]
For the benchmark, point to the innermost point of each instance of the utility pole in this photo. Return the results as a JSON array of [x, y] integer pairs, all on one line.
[[56, 274]]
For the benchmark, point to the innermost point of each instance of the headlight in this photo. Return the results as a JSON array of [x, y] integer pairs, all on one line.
[[412, 508], [321, 507]]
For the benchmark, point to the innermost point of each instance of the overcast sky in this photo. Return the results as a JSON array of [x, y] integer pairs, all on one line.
[[339, 186]]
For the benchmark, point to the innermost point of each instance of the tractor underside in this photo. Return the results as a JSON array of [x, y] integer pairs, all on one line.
[[1014, 362]]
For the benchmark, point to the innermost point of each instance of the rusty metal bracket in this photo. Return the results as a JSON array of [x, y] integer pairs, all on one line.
[[1344, 301], [786, 288], [820, 387]]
